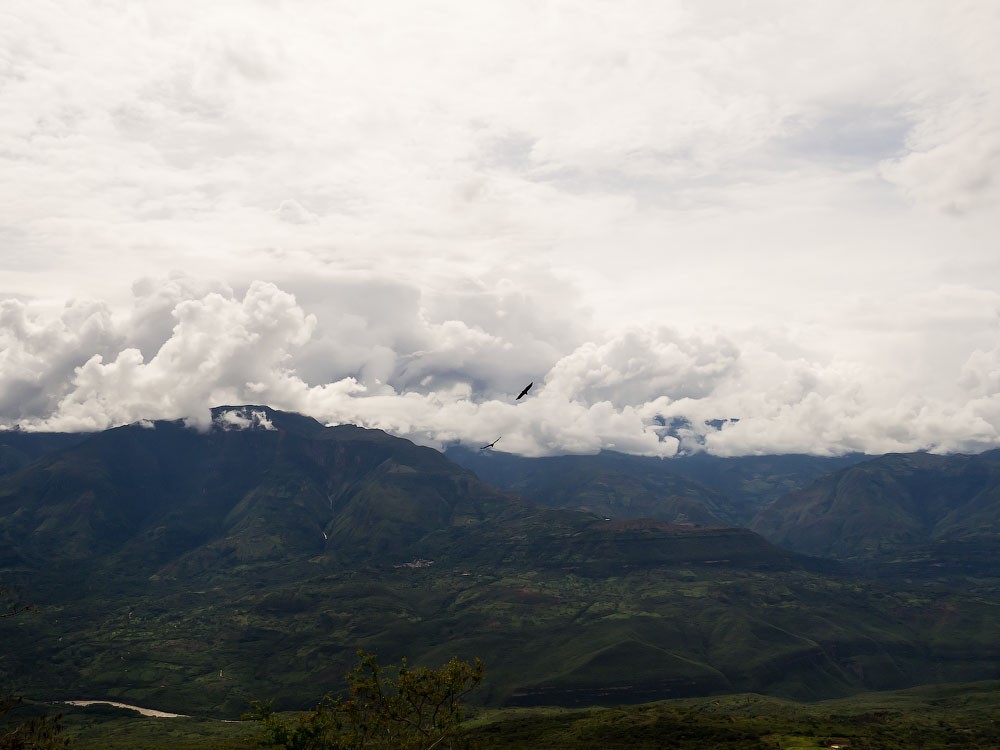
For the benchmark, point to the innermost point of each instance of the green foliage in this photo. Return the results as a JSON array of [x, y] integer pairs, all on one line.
[[396, 707], [36, 733], [930, 718]]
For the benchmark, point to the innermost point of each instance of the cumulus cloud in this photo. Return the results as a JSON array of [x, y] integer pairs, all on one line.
[[646, 390], [38, 355], [152, 320], [221, 350], [243, 419], [639, 366], [980, 374]]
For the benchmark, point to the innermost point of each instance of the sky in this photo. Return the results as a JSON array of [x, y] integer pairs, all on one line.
[[723, 226]]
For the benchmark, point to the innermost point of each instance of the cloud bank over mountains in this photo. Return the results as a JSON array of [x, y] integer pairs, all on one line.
[[188, 345], [695, 225]]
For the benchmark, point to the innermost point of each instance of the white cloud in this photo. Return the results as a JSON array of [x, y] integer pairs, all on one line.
[[38, 355], [980, 375], [779, 211], [647, 390], [295, 213], [243, 419], [642, 365], [221, 350], [953, 160], [952, 157]]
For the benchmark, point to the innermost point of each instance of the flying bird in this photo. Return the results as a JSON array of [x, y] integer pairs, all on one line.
[[526, 389], [490, 445]]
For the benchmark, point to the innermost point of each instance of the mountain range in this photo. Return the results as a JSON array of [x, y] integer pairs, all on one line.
[[698, 489], [936, 517], [195, 571]]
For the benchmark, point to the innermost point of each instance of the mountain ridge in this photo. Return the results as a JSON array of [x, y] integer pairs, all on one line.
[[196, 570], [696, 489], [888, 503]]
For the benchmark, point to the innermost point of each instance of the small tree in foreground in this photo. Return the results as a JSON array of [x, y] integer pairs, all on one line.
[[398, 707], [39, 733]]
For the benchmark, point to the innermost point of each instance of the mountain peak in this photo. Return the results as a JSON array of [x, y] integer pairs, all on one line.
[[258, 417]]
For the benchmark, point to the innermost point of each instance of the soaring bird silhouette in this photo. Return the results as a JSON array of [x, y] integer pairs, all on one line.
[[526, 389], [490, 445]]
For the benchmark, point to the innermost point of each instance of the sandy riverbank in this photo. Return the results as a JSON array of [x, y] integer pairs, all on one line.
[[143, 711]]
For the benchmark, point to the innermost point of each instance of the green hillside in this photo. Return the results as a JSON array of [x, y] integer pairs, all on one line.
[[890, 508], [193, 572]]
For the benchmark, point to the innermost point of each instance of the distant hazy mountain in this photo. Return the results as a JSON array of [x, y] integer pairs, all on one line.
[[889, 506], [194, 571], [699, 489], [609, 484]]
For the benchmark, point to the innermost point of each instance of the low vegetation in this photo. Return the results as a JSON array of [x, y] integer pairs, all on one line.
[[941, 717], [394, 708]]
